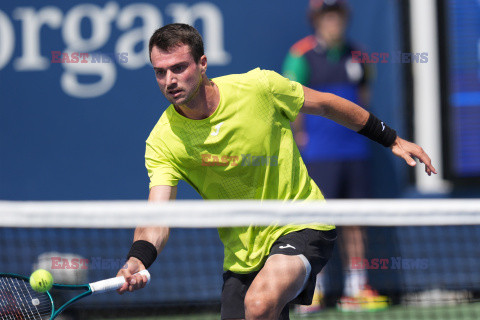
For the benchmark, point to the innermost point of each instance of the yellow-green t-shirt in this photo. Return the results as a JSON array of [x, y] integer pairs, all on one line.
[[244, 150]]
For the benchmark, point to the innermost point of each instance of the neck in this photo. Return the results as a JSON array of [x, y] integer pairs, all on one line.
[[203, 104]]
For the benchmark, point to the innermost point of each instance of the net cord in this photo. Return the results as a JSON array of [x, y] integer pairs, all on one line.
[[221, 213]]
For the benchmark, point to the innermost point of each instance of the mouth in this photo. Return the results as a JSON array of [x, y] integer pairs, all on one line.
[[175, 93]]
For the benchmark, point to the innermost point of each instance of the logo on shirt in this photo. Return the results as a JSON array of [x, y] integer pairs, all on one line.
[[217, 129], [211, 160], [383, 126]]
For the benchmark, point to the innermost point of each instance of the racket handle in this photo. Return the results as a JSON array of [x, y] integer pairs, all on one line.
[[113, 283]]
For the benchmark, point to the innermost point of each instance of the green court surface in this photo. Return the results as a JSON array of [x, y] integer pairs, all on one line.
[[468, 311]]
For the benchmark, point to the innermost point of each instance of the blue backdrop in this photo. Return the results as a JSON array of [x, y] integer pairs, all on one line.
[[76, 131], [73, 131]]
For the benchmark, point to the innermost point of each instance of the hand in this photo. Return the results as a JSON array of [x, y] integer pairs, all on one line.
[[132, 282], [408, 150]]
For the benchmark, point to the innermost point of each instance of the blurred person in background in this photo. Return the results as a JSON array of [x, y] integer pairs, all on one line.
[[336, 158]]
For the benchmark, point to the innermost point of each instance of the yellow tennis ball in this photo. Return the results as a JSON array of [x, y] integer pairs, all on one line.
[[41, 280]]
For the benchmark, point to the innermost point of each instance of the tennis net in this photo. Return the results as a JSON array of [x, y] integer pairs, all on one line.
[[422, 257]]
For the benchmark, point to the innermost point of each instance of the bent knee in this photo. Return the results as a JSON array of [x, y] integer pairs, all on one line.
[[260, 307]]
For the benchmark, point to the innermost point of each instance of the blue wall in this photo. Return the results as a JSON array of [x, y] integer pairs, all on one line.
[[72, 134], [76, 132]]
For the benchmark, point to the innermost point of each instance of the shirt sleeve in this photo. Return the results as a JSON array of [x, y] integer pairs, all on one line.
[[287, 96], [160, 170]]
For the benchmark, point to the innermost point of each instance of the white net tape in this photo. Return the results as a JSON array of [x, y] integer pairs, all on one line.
[[207, 214]]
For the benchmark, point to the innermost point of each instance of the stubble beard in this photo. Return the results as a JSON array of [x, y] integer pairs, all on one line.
[[191, 97]]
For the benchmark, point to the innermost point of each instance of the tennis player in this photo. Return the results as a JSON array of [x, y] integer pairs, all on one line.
[[230, 138]]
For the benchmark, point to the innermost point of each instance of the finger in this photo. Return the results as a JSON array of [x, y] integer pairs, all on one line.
[[424, 158], [428, 171], [132, 281], [120, 291], [128, 279], [123, 288], [432, 168], [131, 284], [409, 160], [139, 282], [126, 275], [145, 280], [136, 282], [429, 168]]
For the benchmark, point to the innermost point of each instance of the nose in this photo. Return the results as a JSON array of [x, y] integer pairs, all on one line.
[[170, 78]]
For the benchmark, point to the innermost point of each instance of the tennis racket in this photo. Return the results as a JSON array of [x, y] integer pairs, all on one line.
[[19, 301]]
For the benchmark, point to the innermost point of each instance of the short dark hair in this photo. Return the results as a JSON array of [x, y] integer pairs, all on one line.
[[319, 7], [176, 34]]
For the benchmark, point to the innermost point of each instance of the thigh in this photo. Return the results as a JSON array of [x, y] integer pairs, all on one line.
[[316, 246], [277, 283]]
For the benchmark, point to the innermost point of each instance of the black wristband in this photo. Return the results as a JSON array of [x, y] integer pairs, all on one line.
[[143, 251], [378, 131]]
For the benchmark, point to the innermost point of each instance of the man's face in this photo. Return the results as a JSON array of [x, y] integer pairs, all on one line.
[[177, 73], [331, 26]]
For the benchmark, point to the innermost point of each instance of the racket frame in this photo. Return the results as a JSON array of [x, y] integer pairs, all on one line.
[[55, 312]]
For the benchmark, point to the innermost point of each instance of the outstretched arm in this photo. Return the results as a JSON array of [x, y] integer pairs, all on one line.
[[354, 117], [151, 235]]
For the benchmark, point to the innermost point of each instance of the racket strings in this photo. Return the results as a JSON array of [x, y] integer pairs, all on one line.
[[19, 301]]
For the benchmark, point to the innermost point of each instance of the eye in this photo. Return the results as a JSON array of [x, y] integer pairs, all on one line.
[[159, 72], [179, 68]]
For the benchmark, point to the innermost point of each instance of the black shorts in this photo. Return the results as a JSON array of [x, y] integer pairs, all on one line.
[[316, 246]]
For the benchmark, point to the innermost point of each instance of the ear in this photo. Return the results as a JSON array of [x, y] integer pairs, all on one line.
[[203, 63]]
